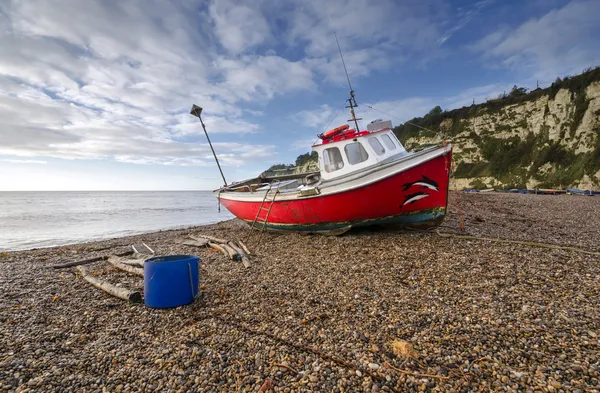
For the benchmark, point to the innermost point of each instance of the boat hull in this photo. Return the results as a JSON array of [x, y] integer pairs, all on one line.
[[409, 195]]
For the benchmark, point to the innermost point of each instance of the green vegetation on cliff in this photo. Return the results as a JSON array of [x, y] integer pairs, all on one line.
[[506, 145]]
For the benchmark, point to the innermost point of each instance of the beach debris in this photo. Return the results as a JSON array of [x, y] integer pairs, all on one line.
[[211, 238], [218, 247], [118, 262], [230, 251], [244, 247], [197, 243], [86, 261], [142, 248], [242, 254], [121, 293], [228, 248], [136, 261], [404, 349], [266, 385]]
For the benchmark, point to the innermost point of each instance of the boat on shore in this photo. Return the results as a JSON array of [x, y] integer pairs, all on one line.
[[365, 177], [577, 191]]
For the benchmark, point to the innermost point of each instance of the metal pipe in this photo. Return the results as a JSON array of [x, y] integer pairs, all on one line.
[[196, 111]]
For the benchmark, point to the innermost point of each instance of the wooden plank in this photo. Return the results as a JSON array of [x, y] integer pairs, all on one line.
[[118, 263], [121, 293]]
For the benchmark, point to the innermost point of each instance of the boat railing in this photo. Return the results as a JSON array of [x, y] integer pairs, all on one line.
[[250, 187]]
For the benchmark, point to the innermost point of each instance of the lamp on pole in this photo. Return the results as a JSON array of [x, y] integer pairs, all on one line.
[[196, 111]]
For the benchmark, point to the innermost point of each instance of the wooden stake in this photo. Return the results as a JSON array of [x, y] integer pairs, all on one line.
[[118, 263], [121, 293]]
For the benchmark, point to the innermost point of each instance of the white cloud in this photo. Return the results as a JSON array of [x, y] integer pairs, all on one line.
[[239, 27], [16, 161], [564, 40], [463, 16], [264, 76], [315, 118], [114, 81]]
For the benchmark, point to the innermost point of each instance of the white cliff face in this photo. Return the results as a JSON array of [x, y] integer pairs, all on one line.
[[591, 119], [571, 121], [309, 166]]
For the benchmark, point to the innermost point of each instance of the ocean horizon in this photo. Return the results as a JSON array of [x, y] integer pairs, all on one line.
[[38, 219]]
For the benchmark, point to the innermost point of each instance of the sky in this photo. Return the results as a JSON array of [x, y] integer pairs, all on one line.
[[96, 95]]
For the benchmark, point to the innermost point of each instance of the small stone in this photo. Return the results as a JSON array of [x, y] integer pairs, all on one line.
[[373, 366], [556, 384], [505, 379], [358, 373]]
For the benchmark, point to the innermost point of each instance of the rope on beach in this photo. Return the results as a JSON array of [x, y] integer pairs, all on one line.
[[532, 244]]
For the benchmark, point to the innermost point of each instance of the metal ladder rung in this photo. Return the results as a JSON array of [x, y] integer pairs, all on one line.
[[269, 197]]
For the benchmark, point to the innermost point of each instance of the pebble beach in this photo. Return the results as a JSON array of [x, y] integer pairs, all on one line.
[[326, 314]]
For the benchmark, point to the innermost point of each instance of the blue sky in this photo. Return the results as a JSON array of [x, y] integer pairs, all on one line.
[[95, 95]]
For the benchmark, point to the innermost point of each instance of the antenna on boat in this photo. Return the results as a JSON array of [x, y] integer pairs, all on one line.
[[196, 111], [352, 100]]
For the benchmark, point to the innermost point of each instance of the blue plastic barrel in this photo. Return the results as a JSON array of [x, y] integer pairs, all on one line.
[[170, 281]]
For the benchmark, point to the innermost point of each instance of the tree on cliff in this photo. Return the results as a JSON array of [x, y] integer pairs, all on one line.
[[518, 91], [306, 157]]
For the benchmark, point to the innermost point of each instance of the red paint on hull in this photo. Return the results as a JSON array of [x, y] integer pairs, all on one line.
[[384, 198]]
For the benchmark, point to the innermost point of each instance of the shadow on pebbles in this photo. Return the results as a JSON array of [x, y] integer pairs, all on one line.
[[320, 313]]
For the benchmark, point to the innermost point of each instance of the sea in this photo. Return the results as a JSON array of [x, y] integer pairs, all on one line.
[[35, 219]]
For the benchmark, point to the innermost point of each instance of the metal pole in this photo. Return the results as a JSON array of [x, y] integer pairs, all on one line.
[[195, 112]]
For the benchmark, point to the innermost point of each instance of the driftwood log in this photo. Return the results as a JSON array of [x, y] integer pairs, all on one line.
[[136, 261], [218, 247], [246, 250], [211, 238], [230, 251], [243, 256], [121, 293], [196, 242], [86, 261], [118, 262]]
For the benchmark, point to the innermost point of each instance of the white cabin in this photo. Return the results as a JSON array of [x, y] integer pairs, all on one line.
[[358, 150]]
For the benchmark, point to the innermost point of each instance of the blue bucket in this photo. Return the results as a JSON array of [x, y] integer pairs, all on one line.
[[170, 281]]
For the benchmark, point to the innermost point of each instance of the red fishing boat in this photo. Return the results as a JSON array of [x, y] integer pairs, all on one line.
[[365, 177]]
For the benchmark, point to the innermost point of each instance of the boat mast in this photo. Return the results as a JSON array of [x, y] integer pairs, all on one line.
[[352, 100]]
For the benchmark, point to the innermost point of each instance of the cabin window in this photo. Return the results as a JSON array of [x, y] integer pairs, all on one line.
[[388, 142], [332, 159], [376, 145], [356, 153]]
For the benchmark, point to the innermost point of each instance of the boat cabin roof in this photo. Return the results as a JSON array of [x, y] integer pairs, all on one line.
[[352, 151]]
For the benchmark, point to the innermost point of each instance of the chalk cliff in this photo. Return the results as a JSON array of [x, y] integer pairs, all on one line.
[[546, 138]]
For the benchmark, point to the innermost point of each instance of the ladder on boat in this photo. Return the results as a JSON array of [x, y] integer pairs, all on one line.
[[268, 199]]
